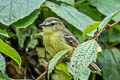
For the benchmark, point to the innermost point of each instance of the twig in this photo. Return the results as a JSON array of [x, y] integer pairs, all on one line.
[[105, 28], [25, 71], [43, 74], [118, 22]]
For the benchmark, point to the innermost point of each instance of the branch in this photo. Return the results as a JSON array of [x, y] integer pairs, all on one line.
[[43, 74], [97, 34]]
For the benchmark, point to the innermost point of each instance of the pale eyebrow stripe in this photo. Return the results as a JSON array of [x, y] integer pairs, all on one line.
[[54, 21]]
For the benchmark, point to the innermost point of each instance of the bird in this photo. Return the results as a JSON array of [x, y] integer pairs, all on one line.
[[57, 37]]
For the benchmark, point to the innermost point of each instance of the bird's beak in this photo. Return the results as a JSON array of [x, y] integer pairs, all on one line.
[[42, 24]]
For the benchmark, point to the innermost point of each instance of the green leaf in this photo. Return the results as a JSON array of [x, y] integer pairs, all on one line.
[[60, 75], [117, 26], [115, 35], [4, 76], [107, 20], [89, 11], [33, 42], [11, 34], [55, 59], [23, 33], [39, 35], [71, 2], [2, 64], [71, 15], [9, 51], [4, 33], [91, 27], [48, 13], [63, 67], [21, 37], [28, 20], [116, 56], [85, 75], [110, 69], [107, 7], [82, 56], [2, 26], [75, 32], [104, 36], [13, 10], [110, 33]]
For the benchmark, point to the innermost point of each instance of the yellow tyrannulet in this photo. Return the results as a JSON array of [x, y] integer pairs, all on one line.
[[57, 37]]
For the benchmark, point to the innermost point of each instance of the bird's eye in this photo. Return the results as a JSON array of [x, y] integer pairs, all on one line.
[[52, 24]]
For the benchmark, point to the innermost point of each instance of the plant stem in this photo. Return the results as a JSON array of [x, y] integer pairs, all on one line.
[[105, 28], [43, 74], [93, 77]]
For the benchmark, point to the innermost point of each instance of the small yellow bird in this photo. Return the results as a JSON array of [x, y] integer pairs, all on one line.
[[57, 37]]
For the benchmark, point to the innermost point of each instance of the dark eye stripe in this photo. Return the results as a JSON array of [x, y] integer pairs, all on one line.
[[52, 24]]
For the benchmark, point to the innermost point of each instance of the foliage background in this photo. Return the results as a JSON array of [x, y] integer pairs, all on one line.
[[21, 38]]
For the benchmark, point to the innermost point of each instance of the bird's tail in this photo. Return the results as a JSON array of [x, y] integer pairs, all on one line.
[[93, 67]]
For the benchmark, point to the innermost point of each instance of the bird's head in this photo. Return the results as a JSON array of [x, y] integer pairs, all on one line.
[[52, 24]]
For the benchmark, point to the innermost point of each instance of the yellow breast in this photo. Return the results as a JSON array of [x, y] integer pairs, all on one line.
[[55, 42]]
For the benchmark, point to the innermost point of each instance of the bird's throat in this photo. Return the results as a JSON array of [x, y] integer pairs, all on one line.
[[48, 30]]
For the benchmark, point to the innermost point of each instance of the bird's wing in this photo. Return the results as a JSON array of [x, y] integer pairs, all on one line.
[[69, 38]]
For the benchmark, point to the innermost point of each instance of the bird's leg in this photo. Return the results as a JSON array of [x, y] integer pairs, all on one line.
[[65, 58], [71, 51]]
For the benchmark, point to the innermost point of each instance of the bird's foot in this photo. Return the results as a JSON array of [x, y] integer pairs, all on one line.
[[72, 49], [65, 58]]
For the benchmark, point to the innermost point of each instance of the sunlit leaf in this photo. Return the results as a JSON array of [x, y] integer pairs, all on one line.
[[90, 28], [9, 51], [63, 67], [60, 75]]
